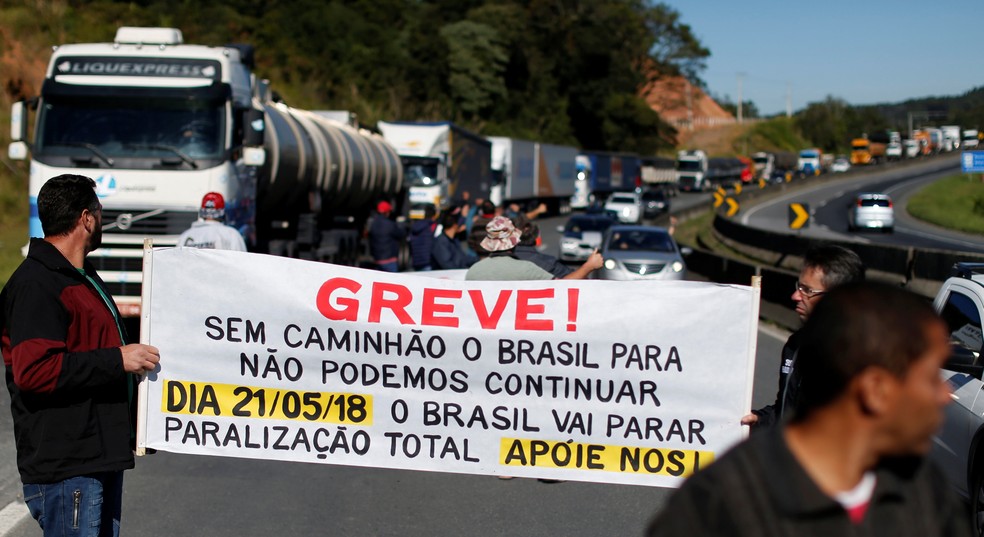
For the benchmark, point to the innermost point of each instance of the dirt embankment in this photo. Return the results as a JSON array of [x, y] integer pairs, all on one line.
[[701, 122]]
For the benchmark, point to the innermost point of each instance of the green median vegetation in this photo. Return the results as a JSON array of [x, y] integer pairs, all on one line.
[[955, 202]]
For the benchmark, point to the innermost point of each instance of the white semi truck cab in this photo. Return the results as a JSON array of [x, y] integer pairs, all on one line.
[[692, 171], [159, 123]]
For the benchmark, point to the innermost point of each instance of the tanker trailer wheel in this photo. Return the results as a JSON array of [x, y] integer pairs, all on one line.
[[403, 260]]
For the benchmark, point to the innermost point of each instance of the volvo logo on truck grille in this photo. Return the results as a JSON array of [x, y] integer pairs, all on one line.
[[124, 221]]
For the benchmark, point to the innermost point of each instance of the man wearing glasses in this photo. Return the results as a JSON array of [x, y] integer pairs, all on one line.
[[824, 268]]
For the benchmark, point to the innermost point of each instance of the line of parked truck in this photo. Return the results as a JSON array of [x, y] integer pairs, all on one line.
[[888, 145], [159, 123]]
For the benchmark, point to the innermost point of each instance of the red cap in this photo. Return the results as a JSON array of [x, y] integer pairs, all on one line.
[[384, 207], [213, 206]]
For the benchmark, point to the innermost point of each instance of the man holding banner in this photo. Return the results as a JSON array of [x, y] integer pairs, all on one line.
[[824, 268], [68, 369]]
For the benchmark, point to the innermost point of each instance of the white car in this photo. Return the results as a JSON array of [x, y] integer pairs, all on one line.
[[626, 206], [871, 211], [840, 165]]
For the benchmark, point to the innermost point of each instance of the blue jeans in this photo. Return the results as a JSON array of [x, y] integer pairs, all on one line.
[[85, 506], [388, 267]]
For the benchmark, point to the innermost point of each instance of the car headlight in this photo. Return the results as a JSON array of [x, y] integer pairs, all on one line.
[[677, 266], [610, 264]]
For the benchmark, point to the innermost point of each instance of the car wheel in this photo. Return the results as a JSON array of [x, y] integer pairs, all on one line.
[[977, 503]]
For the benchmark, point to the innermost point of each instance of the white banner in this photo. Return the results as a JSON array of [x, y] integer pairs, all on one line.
[[273, 358]]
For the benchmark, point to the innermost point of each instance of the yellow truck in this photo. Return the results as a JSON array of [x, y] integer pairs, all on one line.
[[868, 151]]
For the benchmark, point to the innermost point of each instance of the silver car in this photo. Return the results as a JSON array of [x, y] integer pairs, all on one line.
[[641, 253], [871, 211], [627, 206]]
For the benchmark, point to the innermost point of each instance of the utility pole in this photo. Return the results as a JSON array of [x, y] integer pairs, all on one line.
[[789, 100], [690, 106], [740, 75]]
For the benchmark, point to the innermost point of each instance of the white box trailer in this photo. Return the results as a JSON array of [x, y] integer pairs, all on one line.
[[530, 173]]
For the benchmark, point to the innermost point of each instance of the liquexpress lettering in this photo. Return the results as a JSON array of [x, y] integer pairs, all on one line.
[[214, 399], [161, 68]]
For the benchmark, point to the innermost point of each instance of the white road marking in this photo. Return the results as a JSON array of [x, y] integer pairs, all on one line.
[[12, 515]]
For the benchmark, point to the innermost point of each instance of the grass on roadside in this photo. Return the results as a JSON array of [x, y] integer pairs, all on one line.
[[955, 202], [13, 212]]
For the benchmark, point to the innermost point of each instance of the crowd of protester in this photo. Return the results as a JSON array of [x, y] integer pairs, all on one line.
[[493, 243]]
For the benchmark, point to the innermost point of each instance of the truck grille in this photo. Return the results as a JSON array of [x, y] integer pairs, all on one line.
[[152, 222], [118, 289], [117, 264]]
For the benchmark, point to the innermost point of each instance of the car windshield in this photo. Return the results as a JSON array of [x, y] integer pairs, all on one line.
[[622, 199], [654, 196], [641, 240], [580, 225]]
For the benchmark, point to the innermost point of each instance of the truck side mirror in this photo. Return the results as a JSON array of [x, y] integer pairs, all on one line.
[[17, 150], [253, 128]]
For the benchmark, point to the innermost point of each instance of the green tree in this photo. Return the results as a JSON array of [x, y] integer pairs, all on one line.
[[827, 123], [476, 59]]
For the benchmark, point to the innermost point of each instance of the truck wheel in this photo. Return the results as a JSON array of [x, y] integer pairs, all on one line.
[[403, 257]]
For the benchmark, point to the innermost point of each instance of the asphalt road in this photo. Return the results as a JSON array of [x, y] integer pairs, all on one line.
[[828, 201]]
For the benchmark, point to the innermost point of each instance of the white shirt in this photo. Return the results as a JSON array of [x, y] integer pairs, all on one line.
[[212, 234]]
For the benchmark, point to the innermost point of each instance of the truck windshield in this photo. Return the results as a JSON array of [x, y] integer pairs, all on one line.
[[420, 174], [131, 128], [688, 166]]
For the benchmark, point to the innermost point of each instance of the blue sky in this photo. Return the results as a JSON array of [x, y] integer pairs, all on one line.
[[863, 51]]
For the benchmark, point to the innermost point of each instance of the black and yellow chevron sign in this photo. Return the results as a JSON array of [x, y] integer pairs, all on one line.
[[799, 215]]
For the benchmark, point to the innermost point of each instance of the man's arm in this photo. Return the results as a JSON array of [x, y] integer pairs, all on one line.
[[38, 326], [594, 262]]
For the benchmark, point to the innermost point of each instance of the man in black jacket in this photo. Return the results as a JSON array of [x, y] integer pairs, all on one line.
[[447, 253], [851, 461], [69, 369], [824, 268]]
